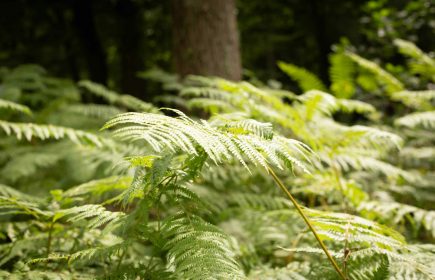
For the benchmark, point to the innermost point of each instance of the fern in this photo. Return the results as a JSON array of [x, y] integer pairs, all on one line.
[[43, 132], [15, 107], [341, 72], [127, 101], [424, 120], [386, 79], [305, 79], [199, 250]]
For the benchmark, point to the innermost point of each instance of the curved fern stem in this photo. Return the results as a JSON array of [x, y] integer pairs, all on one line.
[[307, 221]]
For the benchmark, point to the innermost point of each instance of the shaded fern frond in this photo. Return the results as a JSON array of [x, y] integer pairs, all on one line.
[[127, 101], [198, 250], [99, 111]]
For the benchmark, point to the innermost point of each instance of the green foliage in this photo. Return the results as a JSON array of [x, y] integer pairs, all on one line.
[[163, 194]]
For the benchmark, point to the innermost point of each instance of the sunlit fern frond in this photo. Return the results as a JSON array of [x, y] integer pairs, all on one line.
[[386, 79], [316, 100], [99, 187], [123, 100], [12, 193], [422, 63], [421, 100], [356, 230], [13, 206], [95, 215], [342, 72], [424, 120], [305, 79], [43, 132], [199, 250], [9, 105], [218, 143], [399, 212]]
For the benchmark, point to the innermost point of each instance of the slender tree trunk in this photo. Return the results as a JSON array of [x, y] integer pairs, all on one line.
[[205, 38], [93, 50]]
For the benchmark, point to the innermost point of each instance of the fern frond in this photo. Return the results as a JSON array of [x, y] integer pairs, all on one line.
[[43, 132], [315, 100], [183, 133], [13, 206], [342, 72], [414, 120], [99, 187], [97, 214], [389, 81], [9, 105], [99, 111], [356, 230], [305, 79], [399, 212], [198, 250], [415, 99], [423, 64], [127, 101]]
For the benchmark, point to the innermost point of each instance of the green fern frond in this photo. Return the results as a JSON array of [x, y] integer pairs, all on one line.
[[97, 215], [43, 132], [13, 206], [356, 230], [415, 99], [183, 133], [9, 105], [389, 81], [342, 73], [305, 79], [99, 187], [124, 100], [423, 64], [399, 212], [99, 111], [414, 120], [198, 250]]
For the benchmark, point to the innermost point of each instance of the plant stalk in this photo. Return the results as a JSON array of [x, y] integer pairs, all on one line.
[[308, 222]]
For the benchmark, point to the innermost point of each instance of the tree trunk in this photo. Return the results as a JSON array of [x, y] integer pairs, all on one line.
[[205, 38]]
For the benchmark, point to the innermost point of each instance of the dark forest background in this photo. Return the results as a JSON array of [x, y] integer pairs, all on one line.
[[110, 41]]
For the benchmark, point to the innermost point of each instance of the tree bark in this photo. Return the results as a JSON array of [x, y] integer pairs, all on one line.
[[205, 38]]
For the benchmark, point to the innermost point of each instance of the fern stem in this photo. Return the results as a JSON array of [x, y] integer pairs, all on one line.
[[308, 223]]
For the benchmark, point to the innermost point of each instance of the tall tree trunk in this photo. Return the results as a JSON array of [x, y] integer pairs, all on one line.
[[93, 50], [205, 38]]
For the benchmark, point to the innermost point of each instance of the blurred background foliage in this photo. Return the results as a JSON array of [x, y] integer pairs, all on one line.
[[110, 41]]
